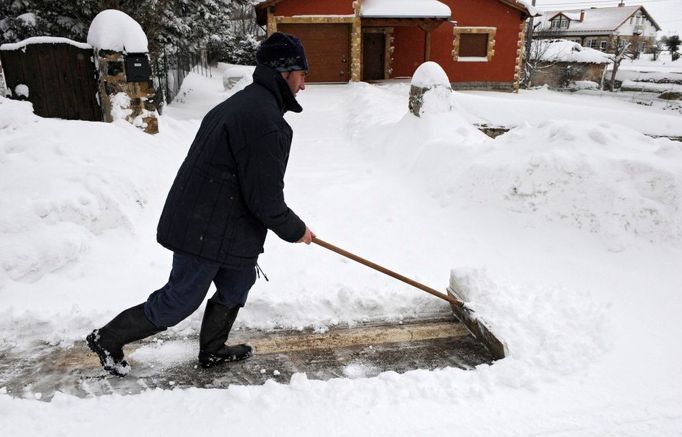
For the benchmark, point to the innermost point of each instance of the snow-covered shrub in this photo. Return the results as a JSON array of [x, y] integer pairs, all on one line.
[[233, 48]]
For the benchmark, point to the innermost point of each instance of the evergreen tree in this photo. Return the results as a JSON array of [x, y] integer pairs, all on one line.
[[673, 44], [186, 24], [18, 21]]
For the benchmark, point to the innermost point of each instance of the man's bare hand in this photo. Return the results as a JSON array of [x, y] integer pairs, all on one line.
[[307, 238]]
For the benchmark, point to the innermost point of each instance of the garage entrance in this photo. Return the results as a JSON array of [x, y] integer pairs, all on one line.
[[327, 47]]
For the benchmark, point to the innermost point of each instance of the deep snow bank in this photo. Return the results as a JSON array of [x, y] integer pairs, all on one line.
[[599, 177], [64, 183]]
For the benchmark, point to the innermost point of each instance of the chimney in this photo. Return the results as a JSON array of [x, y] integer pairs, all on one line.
[[621, 4], [582, 15]]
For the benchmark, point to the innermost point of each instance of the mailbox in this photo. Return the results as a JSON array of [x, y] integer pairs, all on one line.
[[137, 67]]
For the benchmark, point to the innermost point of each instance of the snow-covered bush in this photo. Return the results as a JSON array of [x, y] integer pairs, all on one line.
[[233, 48]]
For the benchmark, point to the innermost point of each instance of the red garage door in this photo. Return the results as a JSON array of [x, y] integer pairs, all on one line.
[[327, 47]]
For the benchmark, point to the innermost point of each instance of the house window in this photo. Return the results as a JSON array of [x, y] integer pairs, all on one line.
[[560, 22], [603, 45], [642, 47], [473, 44]]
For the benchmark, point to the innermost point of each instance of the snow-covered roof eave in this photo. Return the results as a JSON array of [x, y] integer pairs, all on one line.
[[404, 9], [44, 40], [648, 15]]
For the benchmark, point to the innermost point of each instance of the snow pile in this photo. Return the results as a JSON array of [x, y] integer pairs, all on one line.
[[438, 96], [84, 180], [120, 106], [236, 77], [430, 74], [550, 329], [117, 31], [16, 115], [631, 85], [21, 90], [584, 85], [561, 50], [404, 9], [600, 178]]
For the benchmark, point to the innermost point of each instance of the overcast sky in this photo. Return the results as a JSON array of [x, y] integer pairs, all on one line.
[[667, 13]]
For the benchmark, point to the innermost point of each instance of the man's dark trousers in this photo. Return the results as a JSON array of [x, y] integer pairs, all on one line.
[[188, 284]]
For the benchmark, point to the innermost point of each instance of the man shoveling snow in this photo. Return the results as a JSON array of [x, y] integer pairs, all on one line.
[[226, 195]]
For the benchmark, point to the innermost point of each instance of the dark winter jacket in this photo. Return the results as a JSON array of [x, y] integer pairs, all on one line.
[[229, 190]]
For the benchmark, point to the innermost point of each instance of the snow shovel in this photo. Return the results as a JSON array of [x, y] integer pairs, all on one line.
[[461, 311]]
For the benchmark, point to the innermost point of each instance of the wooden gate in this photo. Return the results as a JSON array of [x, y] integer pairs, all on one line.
[[60, 78]]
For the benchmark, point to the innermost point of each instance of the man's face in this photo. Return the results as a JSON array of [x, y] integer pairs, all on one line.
[[295, 80]]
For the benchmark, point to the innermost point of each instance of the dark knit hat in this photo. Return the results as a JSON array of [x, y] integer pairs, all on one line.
[[283, 52]]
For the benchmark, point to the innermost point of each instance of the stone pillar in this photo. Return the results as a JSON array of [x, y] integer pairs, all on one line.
[[124, 94], [356, 44], [430, 90]]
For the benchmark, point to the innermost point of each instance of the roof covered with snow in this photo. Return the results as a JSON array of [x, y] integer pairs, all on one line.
[[115, 30], [561, 50], [404, 9], [594, 19]]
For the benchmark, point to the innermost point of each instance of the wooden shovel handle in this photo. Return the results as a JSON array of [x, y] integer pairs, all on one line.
[[388, 272]]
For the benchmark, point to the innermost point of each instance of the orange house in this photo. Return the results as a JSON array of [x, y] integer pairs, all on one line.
[[479, 43]]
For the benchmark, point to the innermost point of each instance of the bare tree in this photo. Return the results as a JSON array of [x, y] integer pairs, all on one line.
[[537, 59], [622, 51]]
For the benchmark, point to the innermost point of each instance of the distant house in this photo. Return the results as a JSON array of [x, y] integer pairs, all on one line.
[[561, 63], [601, 28], [479, 43]]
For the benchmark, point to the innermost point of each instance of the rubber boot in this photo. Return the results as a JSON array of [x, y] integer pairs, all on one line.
[[108, 341], [215, 328]]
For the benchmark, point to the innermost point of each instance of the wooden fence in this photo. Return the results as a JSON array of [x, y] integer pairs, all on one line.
[[62, 81], [60, 78]]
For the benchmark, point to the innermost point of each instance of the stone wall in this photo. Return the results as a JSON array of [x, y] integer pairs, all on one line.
[[560, 74], [139, 108]]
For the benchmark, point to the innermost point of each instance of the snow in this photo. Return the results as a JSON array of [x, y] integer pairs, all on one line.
[[430, 74], [21, 90], [561, 50], [404, 9], [235, 77], [43, 40], [532, 10], [438, 97], [646, 69], [115, 30], [595, 19], [651, 87], [565, 235], [585, 85], [120, 106], [28, 18]]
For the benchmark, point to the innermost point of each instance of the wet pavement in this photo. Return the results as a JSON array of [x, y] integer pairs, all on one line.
[[167, 362]]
